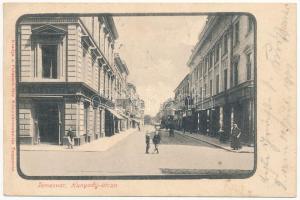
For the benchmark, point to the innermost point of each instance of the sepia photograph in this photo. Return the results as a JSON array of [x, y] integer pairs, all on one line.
[[136, 96], [150, 100]]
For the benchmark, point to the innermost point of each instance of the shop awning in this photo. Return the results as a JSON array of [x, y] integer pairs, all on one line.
[[115, 113]]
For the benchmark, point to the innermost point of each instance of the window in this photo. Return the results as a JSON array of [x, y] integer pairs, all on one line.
[[210, 88], [201, 68], [206, 64], [225, 79], [217, 53], [236, 33], [49, 61], [104, 43], [235, 74], [225, 44], [205, 89], [201, 95], [248, 64], [84, 62], [217, 84], [210, 59]]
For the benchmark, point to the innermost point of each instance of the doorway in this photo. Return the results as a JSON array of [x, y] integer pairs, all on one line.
[[48, 122]]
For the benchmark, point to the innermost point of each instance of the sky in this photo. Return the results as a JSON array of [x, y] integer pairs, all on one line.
[[156, 50]]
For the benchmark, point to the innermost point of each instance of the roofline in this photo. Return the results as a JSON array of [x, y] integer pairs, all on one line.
[[121, 64], [206, 29], [112, 26], [181, 82]]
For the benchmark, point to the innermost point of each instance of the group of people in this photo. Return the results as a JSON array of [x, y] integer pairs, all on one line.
[[235, 138], [156, 140]]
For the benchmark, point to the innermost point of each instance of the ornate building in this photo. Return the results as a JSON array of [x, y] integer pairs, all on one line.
[[182, 93], [121, 92], [134, 106], [222, 74], [65, 61]]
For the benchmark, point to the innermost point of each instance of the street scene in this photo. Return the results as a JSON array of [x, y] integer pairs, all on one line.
[[104, 95], [180, 154]]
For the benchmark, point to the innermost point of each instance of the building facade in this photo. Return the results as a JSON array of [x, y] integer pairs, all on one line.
[[182, 94], [222, 73], [121, 92], [135, 106], [63, 62]]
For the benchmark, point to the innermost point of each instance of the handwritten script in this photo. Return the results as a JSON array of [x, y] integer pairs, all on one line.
[[276, 146]]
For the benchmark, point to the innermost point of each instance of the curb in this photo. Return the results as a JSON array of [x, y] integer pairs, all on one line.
[[213, 144]]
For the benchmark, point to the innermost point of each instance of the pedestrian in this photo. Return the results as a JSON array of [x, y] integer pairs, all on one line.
[[156, 141], [70, 136], [147, 143], [235, 137]]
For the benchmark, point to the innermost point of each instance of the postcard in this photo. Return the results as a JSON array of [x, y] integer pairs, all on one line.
[[150, 99]]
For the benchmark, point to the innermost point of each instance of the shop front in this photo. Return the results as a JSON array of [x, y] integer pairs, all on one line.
[[46, 113]]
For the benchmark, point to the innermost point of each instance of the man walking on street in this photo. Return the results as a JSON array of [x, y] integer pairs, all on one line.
[[156, 141]]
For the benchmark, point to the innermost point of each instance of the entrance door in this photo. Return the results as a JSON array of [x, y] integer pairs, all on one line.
[[48, 122], [108, 123]]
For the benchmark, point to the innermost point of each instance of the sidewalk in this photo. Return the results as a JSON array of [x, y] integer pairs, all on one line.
[[215, 142], [102, 144]]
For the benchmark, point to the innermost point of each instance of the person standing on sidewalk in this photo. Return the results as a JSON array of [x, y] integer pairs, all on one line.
[[70, 136], [235, 137], [156, 141], [147, 143]]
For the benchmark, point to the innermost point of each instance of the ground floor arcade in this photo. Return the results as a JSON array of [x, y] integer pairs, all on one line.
[[215, 116], [46, 118]]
